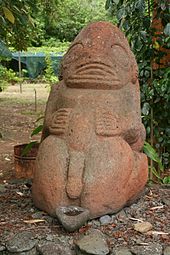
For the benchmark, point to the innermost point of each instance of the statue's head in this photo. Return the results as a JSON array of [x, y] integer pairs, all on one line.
[[99, 58]]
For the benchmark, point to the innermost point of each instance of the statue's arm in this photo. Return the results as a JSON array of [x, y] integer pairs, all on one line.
[[133, 130], [51, 107], [129, 128]]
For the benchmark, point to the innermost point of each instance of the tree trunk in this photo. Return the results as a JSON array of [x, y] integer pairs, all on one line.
[[159, 28]]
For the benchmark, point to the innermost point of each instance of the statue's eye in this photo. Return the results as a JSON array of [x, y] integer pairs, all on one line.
[[73, 53], [121, 57]]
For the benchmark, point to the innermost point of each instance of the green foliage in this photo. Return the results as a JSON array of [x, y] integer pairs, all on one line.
[[27, 23], [37, 130], [157, 97], [27, 148], [152, 154], [17, 26], [49, 75], [55, 45], [7, 76], [156, 171], [4, 51], [166, 180], [66, 18], [135, 18], [51, 46], [3, 84]]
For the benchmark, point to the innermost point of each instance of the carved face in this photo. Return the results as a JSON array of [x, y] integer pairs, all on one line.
[[99, 58]]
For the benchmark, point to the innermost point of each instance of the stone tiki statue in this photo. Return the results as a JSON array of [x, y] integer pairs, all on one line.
[[90, 150]]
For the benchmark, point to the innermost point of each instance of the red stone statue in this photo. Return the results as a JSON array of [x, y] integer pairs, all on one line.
[[90, 154]]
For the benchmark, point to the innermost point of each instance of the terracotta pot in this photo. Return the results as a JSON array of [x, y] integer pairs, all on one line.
[[25, 164]]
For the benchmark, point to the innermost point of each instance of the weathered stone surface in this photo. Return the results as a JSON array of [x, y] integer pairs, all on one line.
[[106, 219], [52, 248], [30, 252], [143, 227], [167, 250], [2, 247], [94, 243], [121, 216], [150, 249], [166, 201], [21, 242], [121, 251], [2, 189], [72, 217], [92, 137], [95, 223]]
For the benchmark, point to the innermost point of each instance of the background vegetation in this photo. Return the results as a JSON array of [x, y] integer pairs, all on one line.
[[146, 24], [53, 23]]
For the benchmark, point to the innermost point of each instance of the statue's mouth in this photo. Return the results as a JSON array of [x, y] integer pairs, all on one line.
[[94, 75]]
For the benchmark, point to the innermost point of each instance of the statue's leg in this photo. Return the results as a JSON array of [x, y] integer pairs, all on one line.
[[108, 167], [51, 175], [114, 175], [138, 177]]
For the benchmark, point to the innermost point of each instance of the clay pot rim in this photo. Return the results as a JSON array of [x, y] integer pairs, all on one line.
[[32, 153]]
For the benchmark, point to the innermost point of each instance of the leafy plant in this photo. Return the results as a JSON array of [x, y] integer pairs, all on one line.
[[51, 46], [5, 53], [156, 171], [17, 26], [28, 147], [7, 76], [64, 19], [3, 85], [49, 75], [157, 99], [146, 25], [166, 180], [152, 154], [36, 131]]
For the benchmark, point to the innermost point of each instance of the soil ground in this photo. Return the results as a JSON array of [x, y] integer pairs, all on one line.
[[17, 120]]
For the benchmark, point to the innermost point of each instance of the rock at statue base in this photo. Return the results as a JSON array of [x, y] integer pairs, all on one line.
[[90, 154]]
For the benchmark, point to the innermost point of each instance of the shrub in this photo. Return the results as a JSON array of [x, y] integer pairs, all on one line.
[[7, 76]]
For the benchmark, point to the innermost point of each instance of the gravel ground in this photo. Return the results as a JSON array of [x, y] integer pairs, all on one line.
[[17, 214]]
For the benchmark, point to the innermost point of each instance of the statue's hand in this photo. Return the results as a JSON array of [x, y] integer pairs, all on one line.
[[107, 123], [135, 137], [132, 135], [59, 121]]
